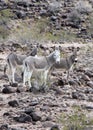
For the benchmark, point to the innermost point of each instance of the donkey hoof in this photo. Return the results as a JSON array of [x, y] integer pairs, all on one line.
[[31, 89]]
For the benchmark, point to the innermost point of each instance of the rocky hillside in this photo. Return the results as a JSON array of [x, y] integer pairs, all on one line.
[[67, 104], [42, 20]]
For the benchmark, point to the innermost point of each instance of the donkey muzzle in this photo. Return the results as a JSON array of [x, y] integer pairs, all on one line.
[[58, 61], [76, 60]]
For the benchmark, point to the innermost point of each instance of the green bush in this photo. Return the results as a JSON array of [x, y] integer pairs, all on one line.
[[4, 32], [75, 17], [5, 17], [76, 120], [7, 13], [84, 7]]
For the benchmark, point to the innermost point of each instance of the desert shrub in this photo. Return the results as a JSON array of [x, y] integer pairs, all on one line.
[[5, 17], [76, 120], [35, 31], [4, 32], [75, 18], [6, 13], [84, 7], [54, 6]]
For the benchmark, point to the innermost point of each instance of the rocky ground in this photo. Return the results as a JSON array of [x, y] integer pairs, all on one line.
[[48, 23], [25, 110]]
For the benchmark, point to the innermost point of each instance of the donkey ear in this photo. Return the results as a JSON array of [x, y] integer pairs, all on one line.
[[37, 45], [53, 47], [73, 48], [78, 48]]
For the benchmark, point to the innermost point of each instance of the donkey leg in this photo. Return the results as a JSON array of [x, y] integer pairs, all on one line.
[[24, 77], [9, 74], [10, 78], [68, 73], [29, 78], [13, 74], [45, 78]]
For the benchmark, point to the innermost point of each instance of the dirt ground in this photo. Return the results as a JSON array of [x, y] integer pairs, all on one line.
[[50, 105]]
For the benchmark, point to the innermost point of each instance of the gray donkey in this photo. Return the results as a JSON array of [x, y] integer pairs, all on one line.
[[67, 63], [39, 64], [14, 61]]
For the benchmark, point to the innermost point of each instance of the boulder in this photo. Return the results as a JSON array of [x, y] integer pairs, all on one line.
[[23, 118], [13, 103]]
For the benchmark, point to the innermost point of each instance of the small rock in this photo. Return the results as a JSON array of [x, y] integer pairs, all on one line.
[[23, 118], [20, 14], [15, 129], [48, 118], [73, 82], [14, 84], [88, 90], [13, 103], [35, 117], [48, 124], [82, 81], [6, 114], [61, 82], [34, 103], [43, 13], [89, 73], [75, 95], [8, 90], [58, 91], [89, 107], [82, 96], [29, 111], [6, 85], [85, 77], [16, 45], [4, 127], [44, 89], [21, 89], [53, 18], [4, 77], [90, 84], [44, 108], [53, 105], [34, 90], [54, 127]]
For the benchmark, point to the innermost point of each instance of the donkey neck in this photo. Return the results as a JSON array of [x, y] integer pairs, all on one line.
[[50, 59], [68, 62], [71, 60], [20, 58]]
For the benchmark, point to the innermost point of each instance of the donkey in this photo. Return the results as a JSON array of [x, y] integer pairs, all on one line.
[[67, 63], [39, 64], [14, 61]]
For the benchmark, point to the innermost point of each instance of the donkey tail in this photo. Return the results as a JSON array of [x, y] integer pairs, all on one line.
[[5, 68]]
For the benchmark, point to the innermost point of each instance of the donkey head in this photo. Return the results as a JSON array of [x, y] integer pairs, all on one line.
[[74, 55], [56, 55]]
